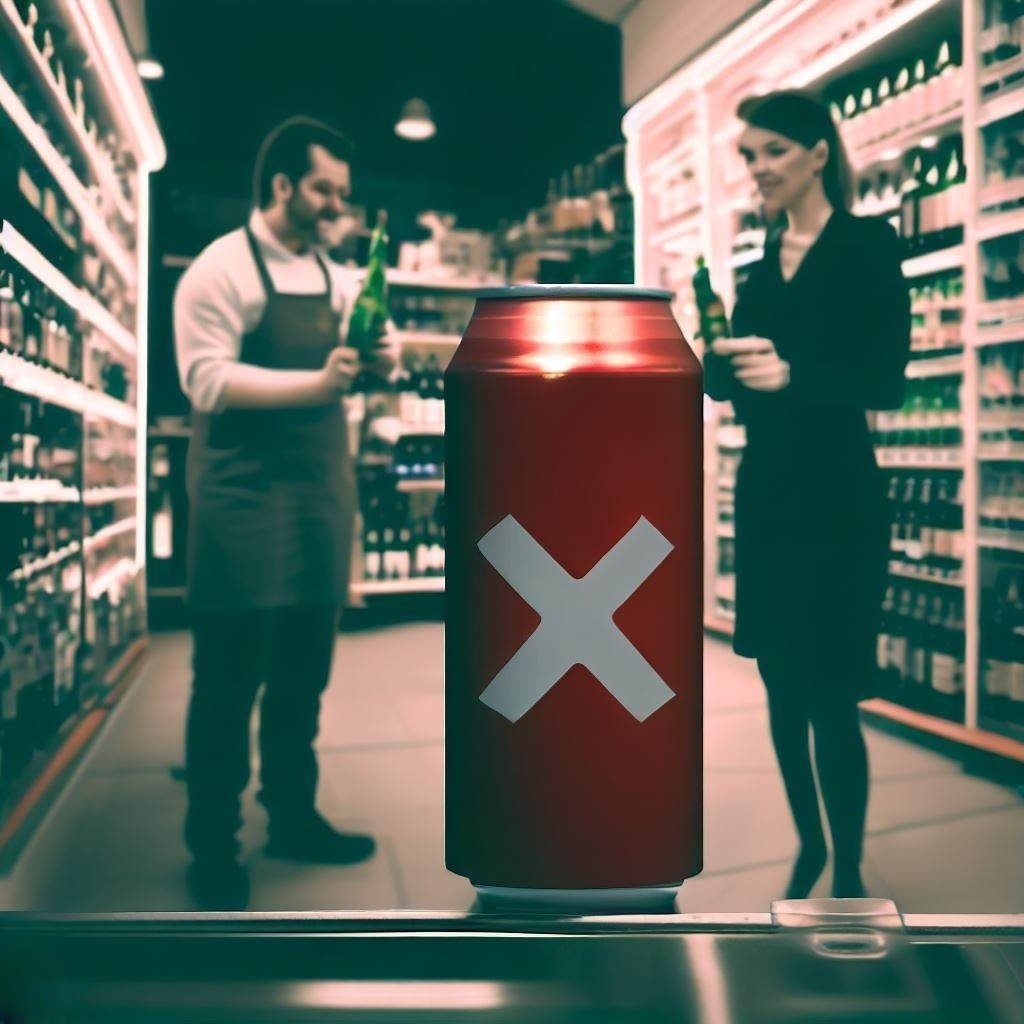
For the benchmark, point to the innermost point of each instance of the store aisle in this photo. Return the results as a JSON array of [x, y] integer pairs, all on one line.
[[939, 841]]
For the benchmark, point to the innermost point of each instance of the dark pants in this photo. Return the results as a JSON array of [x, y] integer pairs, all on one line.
[[796, 707], [288, 649]]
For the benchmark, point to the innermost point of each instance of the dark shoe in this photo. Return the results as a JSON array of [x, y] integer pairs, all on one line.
[[218, 885], [316, 842]]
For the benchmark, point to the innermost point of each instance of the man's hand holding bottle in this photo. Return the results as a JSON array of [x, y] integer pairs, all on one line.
[[384, 354], [756, 363], [339, 370]]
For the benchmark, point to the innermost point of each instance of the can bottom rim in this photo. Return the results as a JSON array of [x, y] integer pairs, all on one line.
[[642, 898]]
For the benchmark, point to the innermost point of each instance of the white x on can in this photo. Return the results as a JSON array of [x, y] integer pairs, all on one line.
[[576, 625]]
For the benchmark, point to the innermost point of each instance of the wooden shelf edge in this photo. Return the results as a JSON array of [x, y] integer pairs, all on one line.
[[121, 671], [977, 739]]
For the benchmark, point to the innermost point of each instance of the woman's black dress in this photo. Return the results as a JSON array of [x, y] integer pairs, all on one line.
[[812, 522]]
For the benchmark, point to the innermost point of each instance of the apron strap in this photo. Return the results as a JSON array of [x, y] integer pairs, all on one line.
[[261, 267], [327, 277]]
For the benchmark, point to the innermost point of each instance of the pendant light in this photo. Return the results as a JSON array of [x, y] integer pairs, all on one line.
[[416, 123], [149, 68]]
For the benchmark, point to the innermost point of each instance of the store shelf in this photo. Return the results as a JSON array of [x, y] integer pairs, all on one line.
[[1000, 540], [995, 225], [409, 486], [176, 261], [39, 565], [979, 739], [427, 339], [433, 282], [939, 366], [49, 386], [103, 495], [122, 570], [1002, 105], [74, 190], [427, 585], [920, 577], [1001, 451], [935, 262], [924, 307], [687, 224], [925, 458], [37, 492], [895, 145], [427, 429], [23, 252], [1003, 69], [100, 166], [1002, 193], [998, 322], [100, 538], [30, 379], [744, 259], [99, 404], [866, 210]]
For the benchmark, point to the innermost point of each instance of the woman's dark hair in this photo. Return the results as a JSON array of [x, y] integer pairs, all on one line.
[[805, 120], [286, 151]]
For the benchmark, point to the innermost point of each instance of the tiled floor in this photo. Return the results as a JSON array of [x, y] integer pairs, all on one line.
[[939, 841]]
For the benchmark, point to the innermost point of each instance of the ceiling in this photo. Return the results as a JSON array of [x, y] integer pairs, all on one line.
[[519, 91]]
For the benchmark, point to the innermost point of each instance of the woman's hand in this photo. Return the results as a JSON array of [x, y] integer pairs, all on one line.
[[755, 362]]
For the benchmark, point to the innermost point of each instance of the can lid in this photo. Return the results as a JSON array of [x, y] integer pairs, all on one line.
[[575, 291]]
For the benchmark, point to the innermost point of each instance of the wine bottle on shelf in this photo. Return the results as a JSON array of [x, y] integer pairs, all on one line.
[[11, 313], [910, 199]]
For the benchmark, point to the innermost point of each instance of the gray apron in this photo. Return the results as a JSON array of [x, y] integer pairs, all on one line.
[[273, 491]]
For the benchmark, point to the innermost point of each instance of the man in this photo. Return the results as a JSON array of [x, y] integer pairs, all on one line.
[[258, 321]]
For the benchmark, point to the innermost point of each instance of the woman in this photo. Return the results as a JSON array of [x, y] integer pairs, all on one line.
[[822, 334]]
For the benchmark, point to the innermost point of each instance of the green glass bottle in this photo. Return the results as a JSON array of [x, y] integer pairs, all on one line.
[[370, 312], [713, 321]]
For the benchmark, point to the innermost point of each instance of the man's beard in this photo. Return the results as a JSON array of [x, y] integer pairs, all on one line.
[[305, 223]]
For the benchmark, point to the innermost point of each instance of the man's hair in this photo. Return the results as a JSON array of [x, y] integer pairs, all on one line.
[[286, 151]]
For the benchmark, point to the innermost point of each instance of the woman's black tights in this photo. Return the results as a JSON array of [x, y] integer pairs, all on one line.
[[842, 773]]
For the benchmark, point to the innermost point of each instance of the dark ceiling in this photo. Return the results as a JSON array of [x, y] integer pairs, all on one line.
[[520, 90]]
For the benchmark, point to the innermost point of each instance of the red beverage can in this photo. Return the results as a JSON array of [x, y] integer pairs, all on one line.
[[574, 465]]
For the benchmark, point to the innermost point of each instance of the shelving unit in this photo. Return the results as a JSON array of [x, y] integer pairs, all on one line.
[[689, 122], [93, 571], [420, 495]]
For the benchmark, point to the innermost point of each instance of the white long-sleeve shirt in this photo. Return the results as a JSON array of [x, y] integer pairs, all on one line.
[[221, 298]]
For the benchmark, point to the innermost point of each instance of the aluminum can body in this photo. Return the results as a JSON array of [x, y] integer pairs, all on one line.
[[573, 593]]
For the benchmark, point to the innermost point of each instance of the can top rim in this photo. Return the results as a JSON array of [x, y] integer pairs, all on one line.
[[575, 291]]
